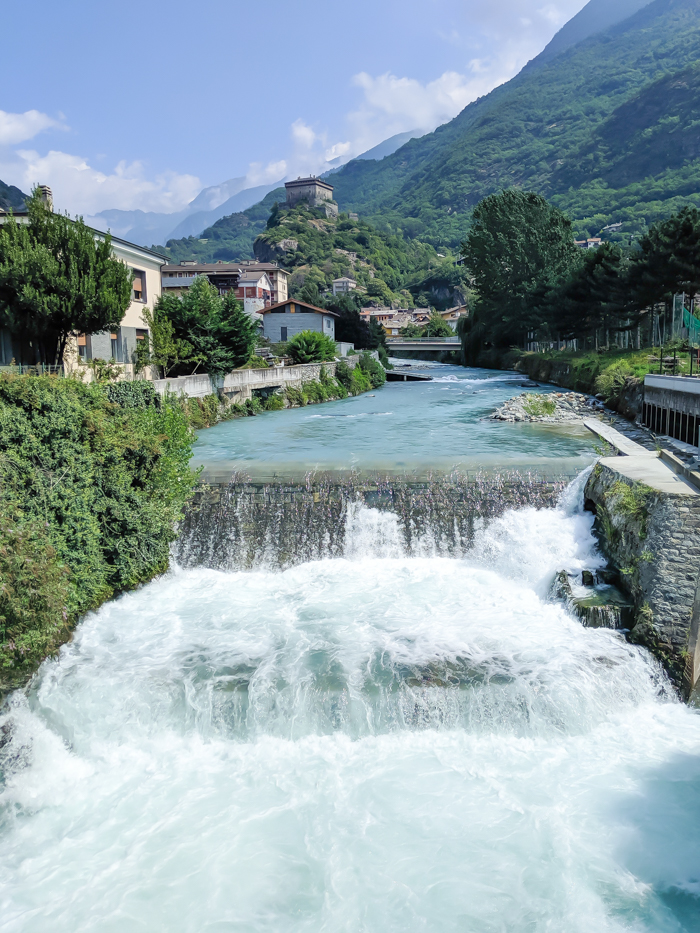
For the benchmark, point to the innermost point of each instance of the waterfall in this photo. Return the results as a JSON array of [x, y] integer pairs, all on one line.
[[354, 707]]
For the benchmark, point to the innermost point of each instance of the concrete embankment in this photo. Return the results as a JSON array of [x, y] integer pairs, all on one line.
[[241, 384], [648, 521]]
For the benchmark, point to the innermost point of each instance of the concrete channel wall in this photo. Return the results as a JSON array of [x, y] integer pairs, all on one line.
[[240, 384], [672, 407], [653, 539]]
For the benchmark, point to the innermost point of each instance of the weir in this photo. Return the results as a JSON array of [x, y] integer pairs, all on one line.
[[243, 524]]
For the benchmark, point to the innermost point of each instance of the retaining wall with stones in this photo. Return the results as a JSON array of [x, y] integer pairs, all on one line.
[[653, 539]]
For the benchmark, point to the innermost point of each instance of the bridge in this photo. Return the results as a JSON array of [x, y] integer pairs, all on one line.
[[423, 343]]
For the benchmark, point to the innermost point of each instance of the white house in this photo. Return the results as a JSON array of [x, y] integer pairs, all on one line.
[[343, 285]]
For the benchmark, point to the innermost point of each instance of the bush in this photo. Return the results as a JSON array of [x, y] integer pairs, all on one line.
[[611, 382], [34, 597], [311, 347], [343, 374], [91, 486], [273, 403], [373, 369]]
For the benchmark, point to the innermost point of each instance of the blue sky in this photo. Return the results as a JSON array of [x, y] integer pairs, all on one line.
[[141, 104]]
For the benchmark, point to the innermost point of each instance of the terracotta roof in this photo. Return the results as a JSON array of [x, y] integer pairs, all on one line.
[[302, 304]]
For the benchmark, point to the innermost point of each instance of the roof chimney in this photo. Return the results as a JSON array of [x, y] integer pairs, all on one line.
[[46, 196]]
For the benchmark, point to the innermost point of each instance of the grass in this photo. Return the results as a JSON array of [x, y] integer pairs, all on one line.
[[537, 406]]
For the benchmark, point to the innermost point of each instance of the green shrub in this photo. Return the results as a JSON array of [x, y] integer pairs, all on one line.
[[89, 484], [34, 597], [343, 373], [613, 379], [373, 369], [273, 403], [360, 382], [311, 347], [295, 396]]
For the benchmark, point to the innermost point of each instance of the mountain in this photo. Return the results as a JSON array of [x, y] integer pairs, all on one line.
[[537, 132], [229, 238], [317, 249], [389, 146], [11, 198], [210, 204], [595, 17]]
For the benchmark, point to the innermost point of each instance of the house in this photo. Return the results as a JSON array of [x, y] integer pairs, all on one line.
[[224, 276], [254, 290], [313, 191], [591, 243], [120, 344], [452, 315], [343, 285], [282, 321]]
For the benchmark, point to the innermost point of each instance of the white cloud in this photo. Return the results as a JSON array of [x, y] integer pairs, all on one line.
[[259, 174], [82, 189], [17, 128]]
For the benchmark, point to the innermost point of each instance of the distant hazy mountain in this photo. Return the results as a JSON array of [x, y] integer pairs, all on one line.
[[147, 227], [596, 16], [389, 146], [11, 198]]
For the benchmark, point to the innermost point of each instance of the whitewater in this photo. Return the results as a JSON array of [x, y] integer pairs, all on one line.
[[378, 742]]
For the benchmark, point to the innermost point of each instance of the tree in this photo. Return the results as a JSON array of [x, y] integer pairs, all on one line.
[[412, 330], [518, 248], [669, 260], [58, 278], [437, 327], [594, 296], [161, 348], [222, 336], [310, 346]]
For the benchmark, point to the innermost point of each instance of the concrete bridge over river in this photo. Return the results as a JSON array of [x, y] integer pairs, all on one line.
[[407, 344]]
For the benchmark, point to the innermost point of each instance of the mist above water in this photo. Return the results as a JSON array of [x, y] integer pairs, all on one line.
[[380, 740]]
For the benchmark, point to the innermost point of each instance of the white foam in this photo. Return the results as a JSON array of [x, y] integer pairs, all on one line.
[[378, 742]]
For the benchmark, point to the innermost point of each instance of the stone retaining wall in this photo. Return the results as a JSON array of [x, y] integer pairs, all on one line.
[[240, 384], [653, 539]]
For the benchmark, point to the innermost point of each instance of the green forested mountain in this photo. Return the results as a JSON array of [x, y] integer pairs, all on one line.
[[228, 239], [561, 129], [606, 129], [11, 198], [317, 249]]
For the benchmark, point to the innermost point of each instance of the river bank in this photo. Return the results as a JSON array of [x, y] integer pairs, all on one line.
[[617, 377]]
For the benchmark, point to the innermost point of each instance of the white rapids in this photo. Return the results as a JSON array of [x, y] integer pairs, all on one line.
[[372, 744]]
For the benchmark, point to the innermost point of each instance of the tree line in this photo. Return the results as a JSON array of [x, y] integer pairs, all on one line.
[[534, 284]]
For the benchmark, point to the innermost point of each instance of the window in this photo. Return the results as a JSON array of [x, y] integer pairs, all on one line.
[[139, 285], [141, 334], [283, 333], [115, 346], [82, 346]]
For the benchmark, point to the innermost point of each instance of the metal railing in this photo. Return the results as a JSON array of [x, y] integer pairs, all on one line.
[[37, 369]]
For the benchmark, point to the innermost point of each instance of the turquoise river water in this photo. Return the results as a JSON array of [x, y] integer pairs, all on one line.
[[401, 428], [374, 742]]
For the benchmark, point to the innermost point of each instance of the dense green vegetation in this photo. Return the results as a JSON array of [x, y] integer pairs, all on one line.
[[57, 278], [317, 249], [534, 285], [607, 131], [92, 480], [198, 331]]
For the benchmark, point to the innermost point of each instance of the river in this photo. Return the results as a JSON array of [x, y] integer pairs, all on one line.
[[378, 741]]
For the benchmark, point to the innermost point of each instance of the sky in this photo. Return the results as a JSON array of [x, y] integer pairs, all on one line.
[[142, 104]]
